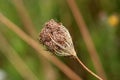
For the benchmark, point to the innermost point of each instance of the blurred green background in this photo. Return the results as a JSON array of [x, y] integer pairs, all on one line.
[[102, 20]]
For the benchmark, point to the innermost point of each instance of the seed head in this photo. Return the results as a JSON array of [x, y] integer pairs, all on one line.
[[57, 39]]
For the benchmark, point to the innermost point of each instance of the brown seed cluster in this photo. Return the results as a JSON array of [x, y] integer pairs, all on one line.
[[56, 38]]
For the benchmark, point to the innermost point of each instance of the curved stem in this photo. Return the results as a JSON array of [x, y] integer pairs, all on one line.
[[80, 62]]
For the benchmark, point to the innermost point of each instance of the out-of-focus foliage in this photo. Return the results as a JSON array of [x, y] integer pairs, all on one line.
[[101, 17]]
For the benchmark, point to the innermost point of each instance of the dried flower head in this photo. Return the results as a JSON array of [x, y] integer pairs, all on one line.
[[57, 39]]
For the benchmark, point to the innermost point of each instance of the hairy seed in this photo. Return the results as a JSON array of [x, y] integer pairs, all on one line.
[[57, 39]]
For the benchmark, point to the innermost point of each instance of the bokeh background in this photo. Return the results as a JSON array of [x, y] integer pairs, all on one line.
[[101, 19]]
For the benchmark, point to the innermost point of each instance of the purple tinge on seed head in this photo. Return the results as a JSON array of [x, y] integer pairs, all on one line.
[[57, 38]]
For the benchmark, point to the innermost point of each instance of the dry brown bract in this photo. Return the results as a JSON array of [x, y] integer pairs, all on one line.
[[57, 39]]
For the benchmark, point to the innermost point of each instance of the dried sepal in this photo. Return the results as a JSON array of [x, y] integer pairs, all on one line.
[[57, 39]]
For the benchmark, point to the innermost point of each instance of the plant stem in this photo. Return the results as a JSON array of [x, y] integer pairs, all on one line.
[[87, 38], [81, 63]]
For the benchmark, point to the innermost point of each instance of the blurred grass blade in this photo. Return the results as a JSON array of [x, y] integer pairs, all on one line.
[[41, 51], [23, 14], [87, 38], [29, 27], [16, 61]]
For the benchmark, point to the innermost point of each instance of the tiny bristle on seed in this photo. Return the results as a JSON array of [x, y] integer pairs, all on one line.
[[57, 39]]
